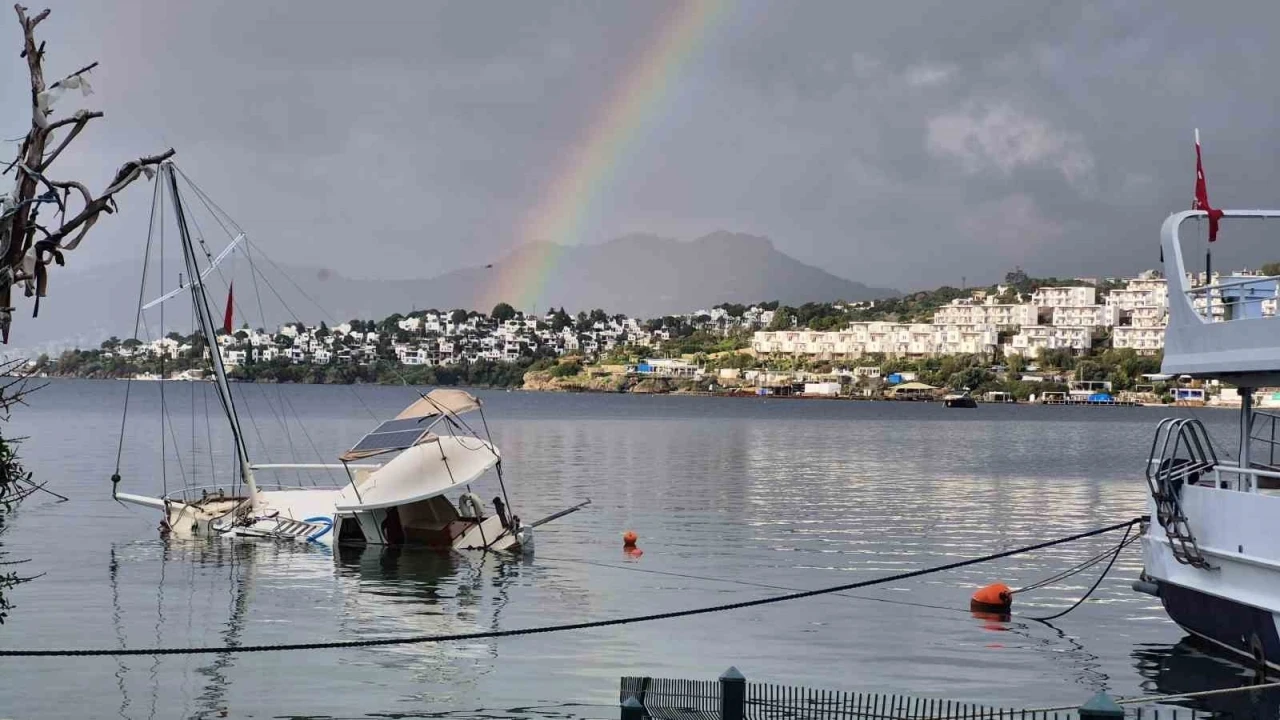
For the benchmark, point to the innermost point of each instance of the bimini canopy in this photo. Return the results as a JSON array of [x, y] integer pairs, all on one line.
[[439, 402], [420, 473], [413, 425]]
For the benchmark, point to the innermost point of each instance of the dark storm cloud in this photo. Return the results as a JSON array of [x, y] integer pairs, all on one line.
[[904, 144]]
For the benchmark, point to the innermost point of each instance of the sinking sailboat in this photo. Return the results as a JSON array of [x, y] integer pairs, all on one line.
[[409, 480]]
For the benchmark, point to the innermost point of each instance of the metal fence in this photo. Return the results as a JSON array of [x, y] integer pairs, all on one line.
[[733, 698]]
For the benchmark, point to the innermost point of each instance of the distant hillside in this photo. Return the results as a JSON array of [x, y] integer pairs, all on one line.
[[638, 275], [648, 276]]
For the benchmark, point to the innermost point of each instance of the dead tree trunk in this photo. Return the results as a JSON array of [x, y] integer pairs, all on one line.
[[27, 246]]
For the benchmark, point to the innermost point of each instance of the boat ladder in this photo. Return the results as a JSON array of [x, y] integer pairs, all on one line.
[[289, 528], [276, 526], [1181, 453]]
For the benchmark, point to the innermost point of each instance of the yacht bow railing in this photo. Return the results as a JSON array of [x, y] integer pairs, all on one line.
[[1246, 479]]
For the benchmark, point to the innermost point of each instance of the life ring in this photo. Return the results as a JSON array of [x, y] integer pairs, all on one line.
[[471, 505]]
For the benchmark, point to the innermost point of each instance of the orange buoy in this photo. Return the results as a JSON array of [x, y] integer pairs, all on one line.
[[994, 598], [629, 539]]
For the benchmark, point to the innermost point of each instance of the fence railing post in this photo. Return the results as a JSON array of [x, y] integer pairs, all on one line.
[[632, 709], [733, 695], [1101, 707]]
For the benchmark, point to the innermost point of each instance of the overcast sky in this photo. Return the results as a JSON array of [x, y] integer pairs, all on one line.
[[902, 144]]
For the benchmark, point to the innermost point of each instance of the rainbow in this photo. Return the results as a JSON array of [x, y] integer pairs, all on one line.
[[560, 218]]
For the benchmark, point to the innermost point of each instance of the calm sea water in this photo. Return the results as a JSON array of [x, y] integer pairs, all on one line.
[[724, 493]]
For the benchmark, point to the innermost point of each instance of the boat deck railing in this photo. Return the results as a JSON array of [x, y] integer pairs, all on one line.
[[228, 491], [1239, 298], [1263, 432]]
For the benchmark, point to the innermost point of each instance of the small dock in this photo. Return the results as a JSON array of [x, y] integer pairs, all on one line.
[[1102, 403]]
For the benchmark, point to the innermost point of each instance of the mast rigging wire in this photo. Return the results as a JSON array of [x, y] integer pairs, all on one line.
[[137, 321]]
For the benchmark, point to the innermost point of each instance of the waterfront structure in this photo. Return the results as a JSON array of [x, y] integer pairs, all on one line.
[[665, 368]]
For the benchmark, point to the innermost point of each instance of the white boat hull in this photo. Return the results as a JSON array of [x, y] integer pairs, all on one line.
[[1235, 605], [310, 515]]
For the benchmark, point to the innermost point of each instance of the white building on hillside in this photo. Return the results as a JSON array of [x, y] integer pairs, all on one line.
[[1147, 340], [966, 339], [970, 312], [1064, 296], [894, 339], [1086, 315], [1147, 290], [1033, 340]]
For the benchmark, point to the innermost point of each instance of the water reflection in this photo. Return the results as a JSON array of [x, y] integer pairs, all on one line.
[[792, 494], [1186, 667], [238, 558], [381, 591]]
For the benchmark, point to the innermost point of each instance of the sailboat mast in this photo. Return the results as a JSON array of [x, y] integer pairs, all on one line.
[[205, 319]]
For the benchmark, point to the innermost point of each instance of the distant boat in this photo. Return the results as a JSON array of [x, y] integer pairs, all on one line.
[[961, 399]]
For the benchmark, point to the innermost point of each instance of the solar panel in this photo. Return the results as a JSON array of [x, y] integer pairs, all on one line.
[[388, 440], [397, 425]]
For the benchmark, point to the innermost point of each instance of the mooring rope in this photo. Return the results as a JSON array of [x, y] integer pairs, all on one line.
[[1075, 569], [1124, 542], [630, 620]]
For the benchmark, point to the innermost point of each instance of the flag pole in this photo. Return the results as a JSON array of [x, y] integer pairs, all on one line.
[[1208, 247]]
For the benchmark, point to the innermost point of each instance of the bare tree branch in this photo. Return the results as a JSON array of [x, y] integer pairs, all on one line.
[[22, 256], [80, 119], [93, 206]]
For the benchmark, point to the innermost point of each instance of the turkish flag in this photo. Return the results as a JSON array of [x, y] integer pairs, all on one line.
[[227, 317], [1202, 195]]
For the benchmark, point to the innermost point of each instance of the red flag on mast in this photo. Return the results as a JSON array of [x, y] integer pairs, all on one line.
[[1202, 195], [226, 318]]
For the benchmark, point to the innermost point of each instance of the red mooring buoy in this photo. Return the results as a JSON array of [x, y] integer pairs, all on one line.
[[629, 548], [994, 598]]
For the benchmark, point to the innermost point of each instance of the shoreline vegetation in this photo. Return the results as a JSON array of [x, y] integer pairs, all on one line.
[[705, 352]]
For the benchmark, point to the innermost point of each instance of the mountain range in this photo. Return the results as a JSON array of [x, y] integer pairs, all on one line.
[[637, 275]]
